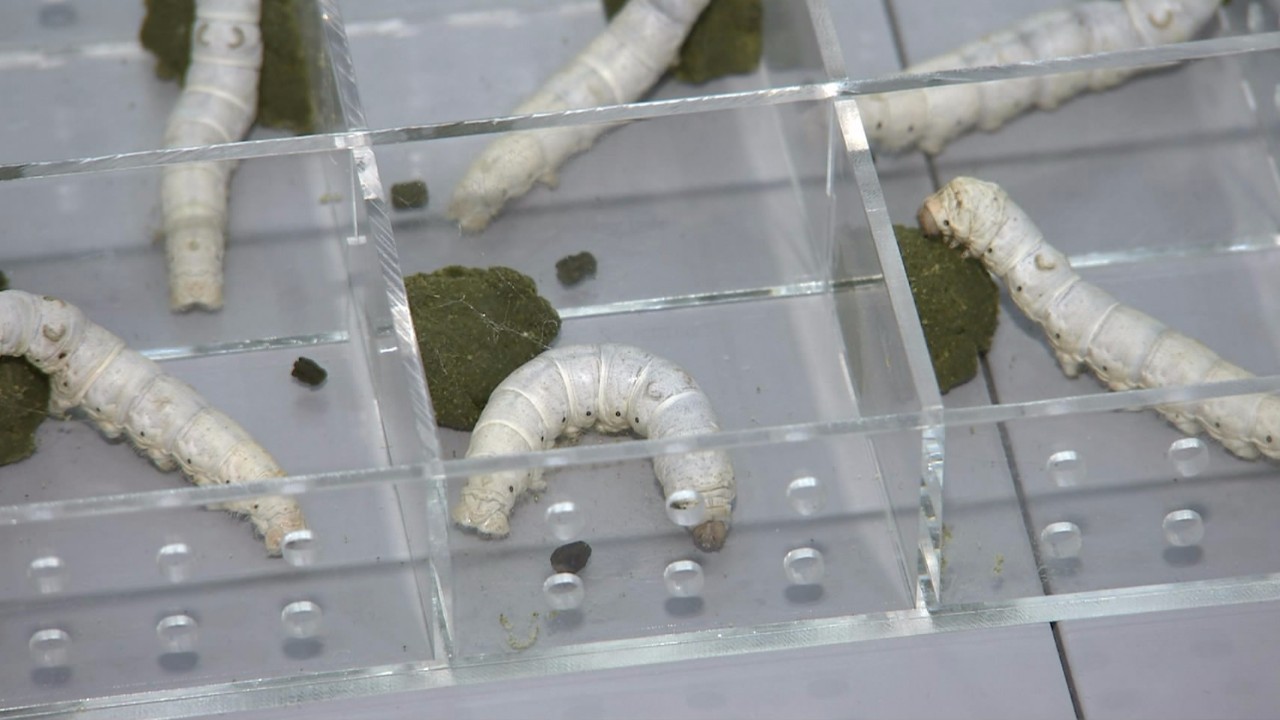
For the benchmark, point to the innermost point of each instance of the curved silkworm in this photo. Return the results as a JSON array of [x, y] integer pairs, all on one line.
[[931, 118], [618, 66], [608, 388], [218, 103], [122, 392], [1086, 326]]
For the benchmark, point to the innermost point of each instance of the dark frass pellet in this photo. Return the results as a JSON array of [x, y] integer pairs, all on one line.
[[309, 372], [957, 301], [570, 558], [410, 195], [573, 269]]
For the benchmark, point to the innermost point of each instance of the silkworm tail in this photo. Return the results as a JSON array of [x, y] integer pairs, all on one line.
[[214, 449], [710, 473], [617, 66], [217, 105], [194, 201], [509, 167], [487, 501], [273, 519]]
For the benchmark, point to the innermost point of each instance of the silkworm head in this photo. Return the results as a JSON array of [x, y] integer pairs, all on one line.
[[710, 535], [931, 219], [1266, 430], [966, 212], [272, 538], [939, 217], [482, 512]]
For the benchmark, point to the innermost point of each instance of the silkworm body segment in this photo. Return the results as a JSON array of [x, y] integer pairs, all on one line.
[[123, 392], [608, 388], [618, 66], [217, 105], [930, 118], [1124, 347]]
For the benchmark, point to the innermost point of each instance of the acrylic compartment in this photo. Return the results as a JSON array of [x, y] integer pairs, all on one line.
[[1118, 206], [1163, 192], [305, 282], [80, 84], [95, 240], [482, 59], [1198, 129], [187, 597], [1100, 501], [838, 356], [813, 535], [711, 194]]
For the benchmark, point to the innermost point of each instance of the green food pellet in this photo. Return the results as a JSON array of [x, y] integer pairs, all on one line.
[[474, 327], [284, 86], [570, 558], [409, 195], [309, 372], [957, 302], [727, 39], [24, 403], [573, 269]]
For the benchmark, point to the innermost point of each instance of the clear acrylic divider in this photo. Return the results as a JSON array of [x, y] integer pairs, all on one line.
[[96, 241], [1106, 177], [811, 537], [80, 83], [187, 597], [1101, 494], [458, 60]]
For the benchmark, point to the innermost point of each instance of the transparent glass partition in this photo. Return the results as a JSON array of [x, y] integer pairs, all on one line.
[[186, 597], [95, 240], [79, 82], [455, 60], [1108, 179], [673, 209], [1100, 494], [810, 538]]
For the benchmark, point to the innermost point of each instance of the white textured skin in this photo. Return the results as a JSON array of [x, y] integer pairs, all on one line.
[[608, 388], [123, 392], [931, 118], [1086, 326], [618, 66], [218, 103]]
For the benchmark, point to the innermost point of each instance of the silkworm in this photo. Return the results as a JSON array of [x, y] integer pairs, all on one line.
[[618, 66], [1124, 347], [218, 103], [608, 388], [123, 392], [930, 118]]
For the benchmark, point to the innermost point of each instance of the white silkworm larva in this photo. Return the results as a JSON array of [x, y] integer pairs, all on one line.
[[1085, 325], [618, 66], [609, 388], [931, 118], [218, 103], [120, 391]]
